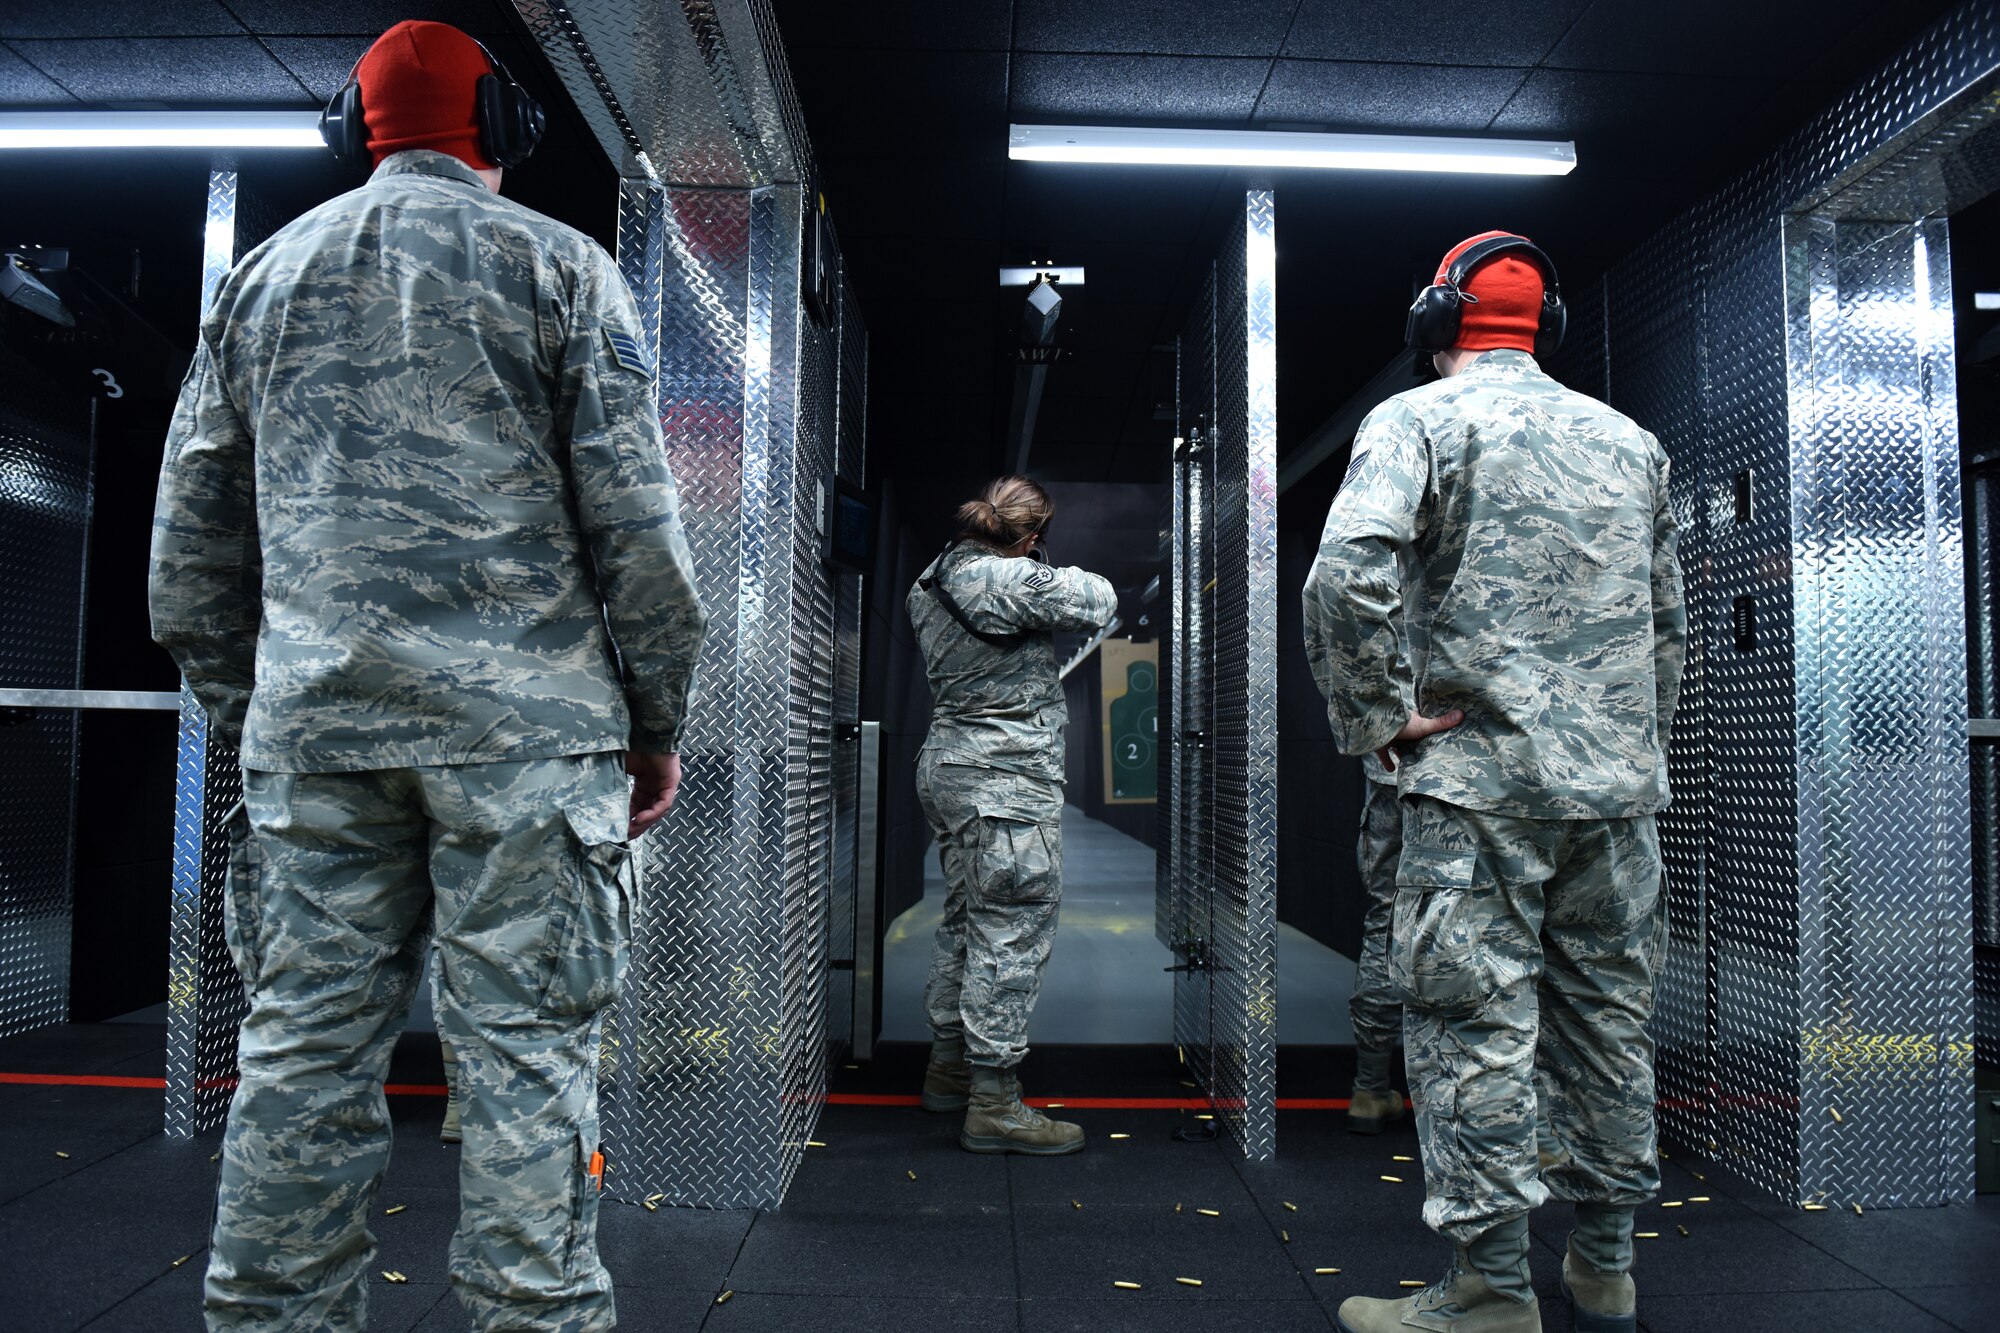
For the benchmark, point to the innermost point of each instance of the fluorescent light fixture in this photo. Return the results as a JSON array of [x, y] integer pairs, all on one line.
[[1986, 300], [160, 129], [1022, 277], [1288, 148]]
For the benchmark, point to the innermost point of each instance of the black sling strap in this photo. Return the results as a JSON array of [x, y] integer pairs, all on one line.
[[934, 585]]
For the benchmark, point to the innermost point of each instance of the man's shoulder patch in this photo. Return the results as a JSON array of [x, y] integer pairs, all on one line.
[[626, 351], [1041, 578]]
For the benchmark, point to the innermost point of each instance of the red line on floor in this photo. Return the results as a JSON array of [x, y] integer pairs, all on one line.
[[83, 1080], [120, 1081]]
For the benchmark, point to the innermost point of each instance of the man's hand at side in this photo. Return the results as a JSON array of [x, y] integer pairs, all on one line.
[[655, 779], [1416, 729]]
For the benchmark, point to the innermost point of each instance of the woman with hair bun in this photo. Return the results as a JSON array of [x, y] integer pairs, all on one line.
[[990, 779]]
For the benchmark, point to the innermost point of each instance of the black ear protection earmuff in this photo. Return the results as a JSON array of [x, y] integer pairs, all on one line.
[[1435, 314], [510, 121]]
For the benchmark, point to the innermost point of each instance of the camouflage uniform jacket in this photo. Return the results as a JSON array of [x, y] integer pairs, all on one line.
[[415, 472], [1414, 620], [1002, 707], [1536, 522]]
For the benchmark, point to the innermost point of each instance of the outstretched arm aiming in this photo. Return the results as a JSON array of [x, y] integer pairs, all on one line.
[[1028, 595], [207, 583]]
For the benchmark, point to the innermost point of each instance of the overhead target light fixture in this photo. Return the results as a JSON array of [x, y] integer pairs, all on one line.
[[1144, 146], [160, 129], [1023, 275]]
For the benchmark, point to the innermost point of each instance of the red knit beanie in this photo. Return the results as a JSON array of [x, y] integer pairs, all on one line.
[[1509, 309], [417, 91]]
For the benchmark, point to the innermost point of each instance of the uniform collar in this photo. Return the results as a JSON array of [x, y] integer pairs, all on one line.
[[426, 162], [1504, 363]]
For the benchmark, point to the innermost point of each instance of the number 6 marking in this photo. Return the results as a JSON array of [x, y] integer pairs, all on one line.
[[112, 389]]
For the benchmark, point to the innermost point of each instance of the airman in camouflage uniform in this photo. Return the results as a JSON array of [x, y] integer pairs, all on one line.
[[415, 488], [1528, 917], [990, 780]]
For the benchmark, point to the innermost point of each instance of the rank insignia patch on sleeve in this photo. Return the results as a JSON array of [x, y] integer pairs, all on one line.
[[626, 351], [1041, 578]]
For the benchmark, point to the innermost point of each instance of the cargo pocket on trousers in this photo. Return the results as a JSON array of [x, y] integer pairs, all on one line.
[[591, 923], [1435, 950], [243, 897], [1015, 864]]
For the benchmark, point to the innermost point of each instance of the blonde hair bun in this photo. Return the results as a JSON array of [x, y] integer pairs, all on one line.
[[1007, 511]]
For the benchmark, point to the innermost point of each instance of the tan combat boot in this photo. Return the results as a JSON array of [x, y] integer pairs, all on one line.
[[1371, 1112], [1374, 1104], [948, 1078], [1486, 1290], [996, 1121], [1596, 1273], [450, 1132]]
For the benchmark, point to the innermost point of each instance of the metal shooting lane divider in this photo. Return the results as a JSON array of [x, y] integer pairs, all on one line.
[[1218, 906], [715, 1061], [850, 414], [205, 1000], [1790, 340], [46, 475]]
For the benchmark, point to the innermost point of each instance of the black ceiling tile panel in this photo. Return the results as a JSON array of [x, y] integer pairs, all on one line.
[[195, 70], [367, 17], [1658, 122], [953, 25], [1769, 40], [116, 18], [1066, 207], [914, 103], [1436, 32], [1130, 87], [1349, 95], [1158, 27], [322, 64], [871, 196], [21, 84]]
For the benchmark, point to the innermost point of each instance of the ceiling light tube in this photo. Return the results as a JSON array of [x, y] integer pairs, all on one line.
[[1288, 148], [160, 129]]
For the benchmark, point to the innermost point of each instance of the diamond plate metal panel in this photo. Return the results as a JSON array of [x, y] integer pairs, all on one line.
[[1986, 988], [1188, 877], [719, 1066], [1649, 312], [1885, 978], [1815, 1013], [205, 999], [695, 93], [810, 786], [45, 504], [850, 463], [1224, 834]]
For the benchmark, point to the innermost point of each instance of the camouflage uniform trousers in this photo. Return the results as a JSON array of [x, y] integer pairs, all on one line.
[[1001, 840], [1526, 951], [1374, 1007], [332, 884]]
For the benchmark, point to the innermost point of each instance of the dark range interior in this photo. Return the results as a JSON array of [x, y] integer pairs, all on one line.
[[908, 105], [908, 102]]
